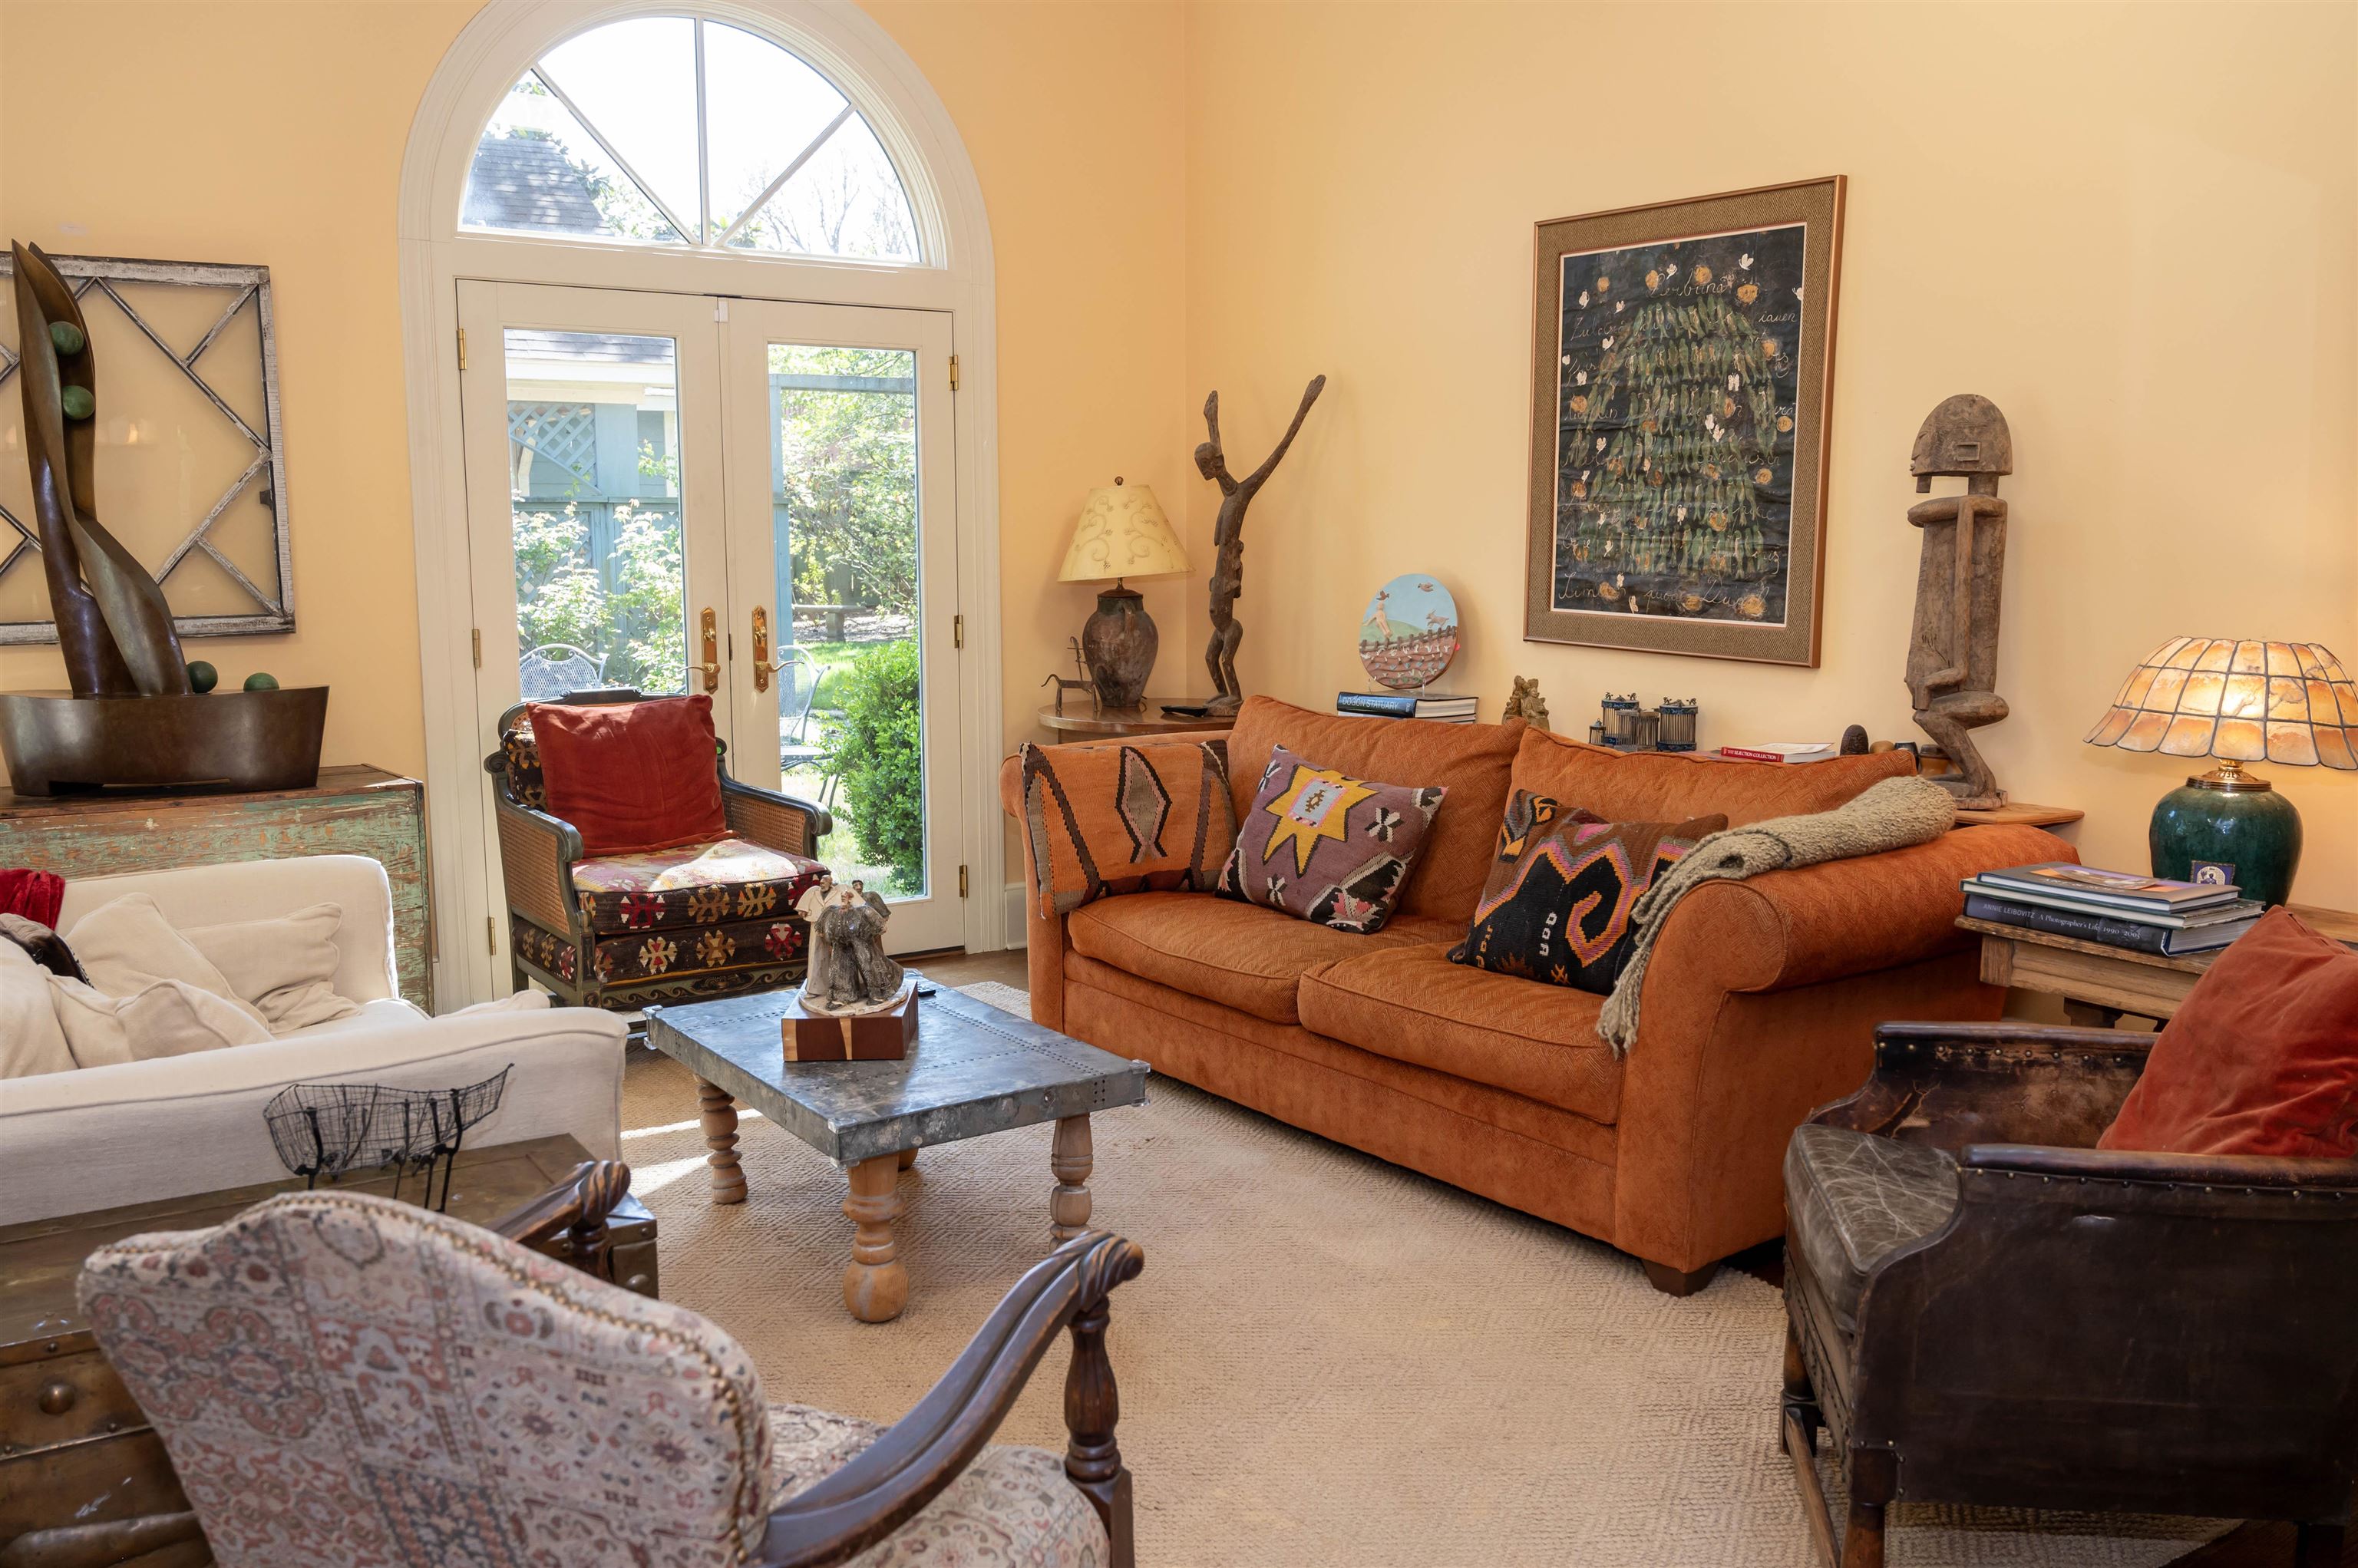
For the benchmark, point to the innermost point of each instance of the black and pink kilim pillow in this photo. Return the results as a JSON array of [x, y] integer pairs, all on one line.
[[1556, 906]]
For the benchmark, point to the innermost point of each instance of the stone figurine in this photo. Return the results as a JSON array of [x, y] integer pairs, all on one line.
[[849, 972], [1525, 703], [1952, 651], [1227, 539]]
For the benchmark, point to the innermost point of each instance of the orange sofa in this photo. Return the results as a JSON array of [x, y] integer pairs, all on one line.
[[1761, 1002]]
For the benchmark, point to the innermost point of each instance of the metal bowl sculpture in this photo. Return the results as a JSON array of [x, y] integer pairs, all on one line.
[[133, 717]]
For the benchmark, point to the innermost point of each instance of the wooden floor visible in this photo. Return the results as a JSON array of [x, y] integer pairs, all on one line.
[[2247, 1546]]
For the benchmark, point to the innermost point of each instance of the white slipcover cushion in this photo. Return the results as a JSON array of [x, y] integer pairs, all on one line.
[[31, 1040], [285, 967], [127, 945], [164, 1018]]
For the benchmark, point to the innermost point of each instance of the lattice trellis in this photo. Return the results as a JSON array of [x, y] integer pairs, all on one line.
[[564, 433], [245, 285]]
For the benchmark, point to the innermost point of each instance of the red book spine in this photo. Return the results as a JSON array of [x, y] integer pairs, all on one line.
[[1746, 754]]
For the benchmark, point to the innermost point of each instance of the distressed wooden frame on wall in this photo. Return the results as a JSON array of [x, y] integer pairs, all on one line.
[[1683, 624], [275, 600]]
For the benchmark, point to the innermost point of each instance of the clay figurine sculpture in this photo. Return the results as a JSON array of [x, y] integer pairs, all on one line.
[[848, 971], [1228, 538], [1525, 703], [1953, 652], [134, 716]]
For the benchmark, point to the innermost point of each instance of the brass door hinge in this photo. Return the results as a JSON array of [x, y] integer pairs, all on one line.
[[477, 635], [958, 631], [492, 934], [462, 348], [952, 371], [961, 881]]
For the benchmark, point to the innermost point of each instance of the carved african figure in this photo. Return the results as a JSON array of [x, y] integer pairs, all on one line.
[[1228, 538], [1953, 652]]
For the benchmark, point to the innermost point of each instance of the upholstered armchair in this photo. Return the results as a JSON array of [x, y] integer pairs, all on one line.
[[342, 1380], [621, 931], [1982, 1307]]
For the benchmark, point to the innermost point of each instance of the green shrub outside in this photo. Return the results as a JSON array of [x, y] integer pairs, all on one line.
[[878, 743]]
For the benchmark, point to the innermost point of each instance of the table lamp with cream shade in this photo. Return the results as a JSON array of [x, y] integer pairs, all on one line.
[[1122, 533], [2287, 703]]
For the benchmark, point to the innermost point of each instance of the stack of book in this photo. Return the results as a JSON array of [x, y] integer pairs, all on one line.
[[2115, 909], [1430, 705]]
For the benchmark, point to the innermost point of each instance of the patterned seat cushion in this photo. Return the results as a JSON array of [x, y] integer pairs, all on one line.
[[728, 881], [1012, 1508], [1854, 1199], [678, 953]]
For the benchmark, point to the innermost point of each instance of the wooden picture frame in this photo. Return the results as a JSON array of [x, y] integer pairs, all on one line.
[[1682, 385]]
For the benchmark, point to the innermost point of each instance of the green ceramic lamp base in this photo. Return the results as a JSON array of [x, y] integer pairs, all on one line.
[[2228, 826]]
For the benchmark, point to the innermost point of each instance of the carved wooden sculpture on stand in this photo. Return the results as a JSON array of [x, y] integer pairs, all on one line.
[[1953, 652], [1228, 538], [133, 717]]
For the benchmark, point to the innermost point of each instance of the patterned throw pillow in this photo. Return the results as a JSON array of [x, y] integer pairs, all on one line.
[[1101, 820], [1325, 848], [1556, 907]]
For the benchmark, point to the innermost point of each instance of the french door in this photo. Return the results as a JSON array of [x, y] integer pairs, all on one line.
[[749, 498]]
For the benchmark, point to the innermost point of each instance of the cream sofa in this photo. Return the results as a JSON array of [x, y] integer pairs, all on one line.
[[127, 1133]]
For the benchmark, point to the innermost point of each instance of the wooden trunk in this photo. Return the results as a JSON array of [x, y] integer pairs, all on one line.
[[353, 810], [865, 1037]]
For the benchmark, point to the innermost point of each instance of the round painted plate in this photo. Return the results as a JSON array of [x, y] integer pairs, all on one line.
[[1409, 632]]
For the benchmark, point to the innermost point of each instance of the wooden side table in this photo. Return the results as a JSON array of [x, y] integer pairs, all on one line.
[[355, 810], [2099, 984], [1146, 718]]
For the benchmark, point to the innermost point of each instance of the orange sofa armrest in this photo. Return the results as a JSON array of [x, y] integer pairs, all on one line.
[[1841, 918]]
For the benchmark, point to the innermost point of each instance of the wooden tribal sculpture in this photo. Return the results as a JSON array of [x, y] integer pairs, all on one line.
[[1227, 539], [1953, 652]]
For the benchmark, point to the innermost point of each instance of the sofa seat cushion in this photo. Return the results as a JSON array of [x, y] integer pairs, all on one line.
[[1415, 1006], [1853, 1200], [1239, 955], [696, 884]]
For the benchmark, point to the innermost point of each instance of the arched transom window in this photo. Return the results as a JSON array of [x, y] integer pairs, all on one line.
[[679, 131]]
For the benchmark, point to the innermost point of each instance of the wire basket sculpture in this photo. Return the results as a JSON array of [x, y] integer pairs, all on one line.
[[326, 1129]]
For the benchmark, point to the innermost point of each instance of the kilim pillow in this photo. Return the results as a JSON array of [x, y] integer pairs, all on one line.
[[1101, 820], [1562, 881], [1325, 848]]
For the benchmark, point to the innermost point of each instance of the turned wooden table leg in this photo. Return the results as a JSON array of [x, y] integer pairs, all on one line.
[[908, 1158], [1071, 1159], [875, 1285], [720, 1120]]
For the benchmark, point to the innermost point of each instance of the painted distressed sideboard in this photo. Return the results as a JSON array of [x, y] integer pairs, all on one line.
[[350, 811]]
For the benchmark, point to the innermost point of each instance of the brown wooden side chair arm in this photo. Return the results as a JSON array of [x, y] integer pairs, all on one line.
[[889, 1483], [1998, 1312]]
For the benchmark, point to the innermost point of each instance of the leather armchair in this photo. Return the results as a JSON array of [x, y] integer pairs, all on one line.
[[1983, 1308]]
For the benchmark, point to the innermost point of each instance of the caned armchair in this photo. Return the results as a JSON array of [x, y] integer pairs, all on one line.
[[623, 931], [344, 1381], [1982, 1307]]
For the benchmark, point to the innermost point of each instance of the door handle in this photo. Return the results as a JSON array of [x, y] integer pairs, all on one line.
[[711, 663], [763, 666]]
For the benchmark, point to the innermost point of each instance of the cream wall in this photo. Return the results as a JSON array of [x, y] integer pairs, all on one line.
[[2134, 227], [210, 130]]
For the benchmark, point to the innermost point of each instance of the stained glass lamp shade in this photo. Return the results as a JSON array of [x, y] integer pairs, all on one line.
[[2241, 701]]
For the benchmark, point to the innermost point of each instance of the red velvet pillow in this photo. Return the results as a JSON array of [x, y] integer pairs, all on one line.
[[2262, 1057], [633, 775]]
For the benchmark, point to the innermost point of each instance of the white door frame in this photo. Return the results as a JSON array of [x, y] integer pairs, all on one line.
[[953, 236]]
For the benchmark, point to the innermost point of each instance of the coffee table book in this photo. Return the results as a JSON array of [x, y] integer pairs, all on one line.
[[881, 1036]]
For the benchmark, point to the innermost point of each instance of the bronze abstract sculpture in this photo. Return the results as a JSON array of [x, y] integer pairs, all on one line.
[[1952, 651], [1227, 539], [133, 717]]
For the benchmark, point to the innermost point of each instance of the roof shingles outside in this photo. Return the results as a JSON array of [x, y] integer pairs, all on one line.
[[524, 183]]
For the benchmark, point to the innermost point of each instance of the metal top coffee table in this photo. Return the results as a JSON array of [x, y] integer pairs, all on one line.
[[973, 1070]]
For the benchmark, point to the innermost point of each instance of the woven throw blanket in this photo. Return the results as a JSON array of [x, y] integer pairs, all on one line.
[[1892, 815]]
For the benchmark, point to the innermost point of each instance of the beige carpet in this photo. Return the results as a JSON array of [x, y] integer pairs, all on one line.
[[1328, 1360]]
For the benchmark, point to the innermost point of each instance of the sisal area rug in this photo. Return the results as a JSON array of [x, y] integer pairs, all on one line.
[[1328, 1361]]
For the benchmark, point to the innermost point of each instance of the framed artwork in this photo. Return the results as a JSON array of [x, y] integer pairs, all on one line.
[[192, 470], [1682, 375]]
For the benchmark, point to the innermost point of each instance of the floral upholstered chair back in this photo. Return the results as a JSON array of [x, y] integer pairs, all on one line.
[[345, 1380]]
